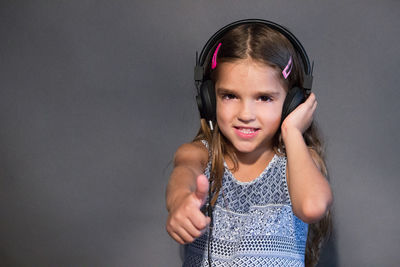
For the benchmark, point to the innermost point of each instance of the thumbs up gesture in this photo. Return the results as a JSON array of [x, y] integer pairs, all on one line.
[[185, 220]]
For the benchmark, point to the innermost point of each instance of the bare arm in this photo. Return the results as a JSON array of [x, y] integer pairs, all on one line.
[[309, 190], [186, 192]]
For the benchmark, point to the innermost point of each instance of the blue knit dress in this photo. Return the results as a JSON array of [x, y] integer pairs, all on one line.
[[254, 224]]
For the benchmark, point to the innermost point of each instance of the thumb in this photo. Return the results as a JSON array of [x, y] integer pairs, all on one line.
[[201, 189]]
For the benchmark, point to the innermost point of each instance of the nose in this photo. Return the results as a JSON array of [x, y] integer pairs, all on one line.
[[246, 113]]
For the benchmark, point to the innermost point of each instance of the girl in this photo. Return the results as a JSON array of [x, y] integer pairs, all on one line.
[[262, 172]]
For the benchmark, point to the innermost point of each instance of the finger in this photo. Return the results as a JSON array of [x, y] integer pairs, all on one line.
[[208, 220], [191, 229], [183, 225], [185, 235], [312, 96], [315, 105], [177, 238], [312, 113], [199, 220], [308, 103], [201, 189], [311, 99], [172, 231]]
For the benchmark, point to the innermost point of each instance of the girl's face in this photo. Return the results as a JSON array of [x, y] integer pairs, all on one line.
[[249, 105]]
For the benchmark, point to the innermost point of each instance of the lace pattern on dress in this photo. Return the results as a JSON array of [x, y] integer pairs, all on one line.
[[254, 224]]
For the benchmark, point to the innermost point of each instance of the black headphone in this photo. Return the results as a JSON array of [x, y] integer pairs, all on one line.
[[206, 99]]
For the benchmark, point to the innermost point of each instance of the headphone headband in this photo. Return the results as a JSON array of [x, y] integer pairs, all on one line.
[[200, 61]]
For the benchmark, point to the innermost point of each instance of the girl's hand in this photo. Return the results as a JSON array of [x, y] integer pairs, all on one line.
[[185, 221], [301, 118]]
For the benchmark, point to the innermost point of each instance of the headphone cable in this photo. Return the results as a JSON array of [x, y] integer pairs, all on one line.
[[210, 214]]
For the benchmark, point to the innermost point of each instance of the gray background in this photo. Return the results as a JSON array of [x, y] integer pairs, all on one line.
[[95, 97]]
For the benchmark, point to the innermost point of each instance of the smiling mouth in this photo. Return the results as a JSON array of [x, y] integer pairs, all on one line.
[[247, 130]]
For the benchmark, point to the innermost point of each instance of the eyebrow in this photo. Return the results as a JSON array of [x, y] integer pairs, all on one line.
[[221, 90]]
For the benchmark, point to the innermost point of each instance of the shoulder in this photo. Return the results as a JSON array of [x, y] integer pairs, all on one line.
[[191, 153]]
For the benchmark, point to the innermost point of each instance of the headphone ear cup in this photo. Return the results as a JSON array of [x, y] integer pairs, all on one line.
[[293, 99], [206, 101]]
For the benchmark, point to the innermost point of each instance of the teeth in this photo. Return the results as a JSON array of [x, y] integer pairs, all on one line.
[[246, 130]]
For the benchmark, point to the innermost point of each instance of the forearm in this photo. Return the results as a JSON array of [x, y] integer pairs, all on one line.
[[182, 182], [309, 190]]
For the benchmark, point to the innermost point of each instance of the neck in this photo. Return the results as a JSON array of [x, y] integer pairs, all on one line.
[[250, 165], [255, 158]]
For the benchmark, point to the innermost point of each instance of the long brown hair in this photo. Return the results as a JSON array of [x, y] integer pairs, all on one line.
[[260, 43]]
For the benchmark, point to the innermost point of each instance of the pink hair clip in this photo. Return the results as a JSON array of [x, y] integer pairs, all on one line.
[[288, 68], [214, 58]]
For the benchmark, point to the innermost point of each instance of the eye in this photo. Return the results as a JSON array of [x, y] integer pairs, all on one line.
[[265, 98], [228, 96]]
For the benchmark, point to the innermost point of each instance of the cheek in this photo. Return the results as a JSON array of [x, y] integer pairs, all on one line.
[[224, 112], [272, 114]]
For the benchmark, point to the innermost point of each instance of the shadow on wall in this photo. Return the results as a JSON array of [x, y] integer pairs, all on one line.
[[329, 257]]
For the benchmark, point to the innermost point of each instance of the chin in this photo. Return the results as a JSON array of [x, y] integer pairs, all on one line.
[[244, 148]]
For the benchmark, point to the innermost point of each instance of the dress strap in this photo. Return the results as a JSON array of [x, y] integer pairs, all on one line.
[[205, 143]]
